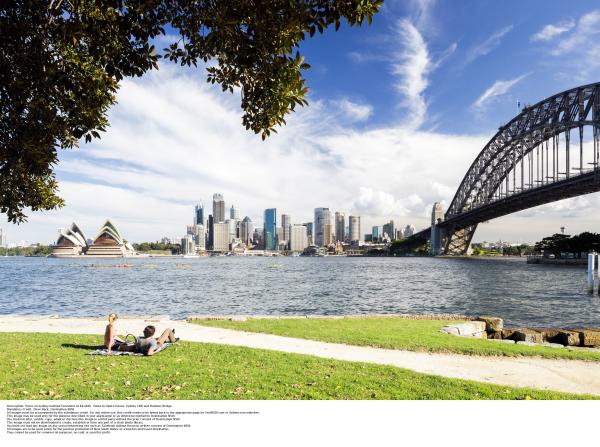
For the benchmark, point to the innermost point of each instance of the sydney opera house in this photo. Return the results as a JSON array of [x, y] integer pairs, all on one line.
[[108, 243]]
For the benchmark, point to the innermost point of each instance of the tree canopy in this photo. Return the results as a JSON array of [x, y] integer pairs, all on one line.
[[563, 243], [61, 62]]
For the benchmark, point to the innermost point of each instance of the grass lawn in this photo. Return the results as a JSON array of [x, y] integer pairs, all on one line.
[[394, 333], [55, 366]]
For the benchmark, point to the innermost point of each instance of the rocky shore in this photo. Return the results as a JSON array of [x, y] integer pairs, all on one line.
[[492, 328]]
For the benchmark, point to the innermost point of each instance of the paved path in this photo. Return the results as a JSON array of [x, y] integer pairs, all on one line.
[[561, 375]]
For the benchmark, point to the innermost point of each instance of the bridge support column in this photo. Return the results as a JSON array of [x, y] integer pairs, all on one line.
[[437, 232], [457, 240]]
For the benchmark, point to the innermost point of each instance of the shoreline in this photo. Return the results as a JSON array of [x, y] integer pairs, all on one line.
[[568, 375]]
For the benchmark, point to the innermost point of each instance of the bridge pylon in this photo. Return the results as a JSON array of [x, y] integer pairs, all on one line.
[[457, 241]]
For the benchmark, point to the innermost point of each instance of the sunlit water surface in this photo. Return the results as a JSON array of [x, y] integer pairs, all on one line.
[[520, 293]]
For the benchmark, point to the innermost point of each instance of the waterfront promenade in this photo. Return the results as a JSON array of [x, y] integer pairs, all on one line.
[[572, 376]]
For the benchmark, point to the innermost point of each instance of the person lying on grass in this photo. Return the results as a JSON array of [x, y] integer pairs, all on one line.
[[148, 345]]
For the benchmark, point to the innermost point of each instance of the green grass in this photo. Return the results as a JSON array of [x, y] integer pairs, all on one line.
[[55, 366], [394, 333]]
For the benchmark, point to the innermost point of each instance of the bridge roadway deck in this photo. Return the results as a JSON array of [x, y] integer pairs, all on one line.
[[562, 189]]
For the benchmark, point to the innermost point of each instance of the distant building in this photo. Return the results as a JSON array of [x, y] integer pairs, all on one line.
[[298, 238], [232, 229], [354, 229], [221, 234], [199, 214], [376, 233], [309, 232], [281, 242], [389, 230], [210, 240], [191, 229], [110, 243], [246, 231], [322, 218], [286, 221], [270, 229], [70, 242], [188, 245], [257, 238], [218, 208], [200, 237], [327, 234], [399, 234], [340, 227], [234, 213], [3, 242], [409, 230]]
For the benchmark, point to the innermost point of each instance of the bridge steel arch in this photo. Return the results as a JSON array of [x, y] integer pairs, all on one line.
[[550, 151]]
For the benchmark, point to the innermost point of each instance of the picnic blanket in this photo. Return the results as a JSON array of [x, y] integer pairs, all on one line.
[[102, 351]]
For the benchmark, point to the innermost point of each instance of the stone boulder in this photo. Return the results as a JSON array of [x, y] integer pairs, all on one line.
[[507, 333], [468, 329], [567, 338], [492, 324], [452, 330], [497, 335], [528, 335], [589, 337]]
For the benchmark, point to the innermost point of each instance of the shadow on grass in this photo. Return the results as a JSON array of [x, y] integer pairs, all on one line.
[[87, 347]]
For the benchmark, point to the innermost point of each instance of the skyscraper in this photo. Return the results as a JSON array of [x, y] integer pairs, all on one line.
[[298, 238], [218, 208], [322, 217], [3, 242], [309, 232], [354, 230], [409, 230], [199, 214], [286, 221], [246, 230], [210, 243], [200, 237], [234, 213], [327, 234], [270, 229], [340, 233], [376, 233], [221, 237], [390, 230]]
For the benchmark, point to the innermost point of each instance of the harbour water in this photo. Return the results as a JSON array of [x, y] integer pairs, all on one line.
[[523, 294]]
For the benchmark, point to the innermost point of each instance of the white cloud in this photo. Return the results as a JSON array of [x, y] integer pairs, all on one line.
[[383, 205], [551, 31], [354, 111], [412, 66], [583, 37], [488, 45], [174, 141], [497, 89], [576, 54]]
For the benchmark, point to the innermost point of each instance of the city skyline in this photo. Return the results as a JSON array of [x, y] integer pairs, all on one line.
[[439, 82]]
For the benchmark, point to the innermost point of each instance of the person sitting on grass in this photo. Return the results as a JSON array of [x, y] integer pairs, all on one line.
[[111, 341], [148, 345]]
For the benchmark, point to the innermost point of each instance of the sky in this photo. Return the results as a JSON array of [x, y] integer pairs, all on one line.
[[398, 111]]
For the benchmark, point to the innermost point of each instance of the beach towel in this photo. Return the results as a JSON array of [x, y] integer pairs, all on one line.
[[102, 351]]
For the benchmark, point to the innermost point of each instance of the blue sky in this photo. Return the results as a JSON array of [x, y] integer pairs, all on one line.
[[398, 111]]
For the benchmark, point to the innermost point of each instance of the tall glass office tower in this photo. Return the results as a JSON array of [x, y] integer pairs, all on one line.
[[270, 229], [218, 208], [199, 215], [322, 218]]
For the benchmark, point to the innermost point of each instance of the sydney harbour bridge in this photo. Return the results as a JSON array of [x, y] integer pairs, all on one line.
[[548, 152]]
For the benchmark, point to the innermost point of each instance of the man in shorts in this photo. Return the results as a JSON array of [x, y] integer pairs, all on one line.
[[148, 345]]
